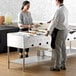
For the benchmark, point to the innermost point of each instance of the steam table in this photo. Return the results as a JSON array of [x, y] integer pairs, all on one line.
[[26, 40]]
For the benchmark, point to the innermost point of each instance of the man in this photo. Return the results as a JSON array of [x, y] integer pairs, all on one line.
[[58, 30]]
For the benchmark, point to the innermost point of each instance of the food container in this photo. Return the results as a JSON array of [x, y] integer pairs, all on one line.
[[8, 18], [2, 19]]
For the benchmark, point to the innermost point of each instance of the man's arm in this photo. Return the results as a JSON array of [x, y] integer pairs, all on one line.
[[53, 23]]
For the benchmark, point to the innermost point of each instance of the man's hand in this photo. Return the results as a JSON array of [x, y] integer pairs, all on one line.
[[47, 33], [49, 21]]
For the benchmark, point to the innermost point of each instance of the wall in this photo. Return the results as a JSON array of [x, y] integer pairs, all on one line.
[[71, 5], [41, 10]]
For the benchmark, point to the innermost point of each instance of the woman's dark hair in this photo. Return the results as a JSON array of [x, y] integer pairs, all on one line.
[[24, 3], [61, 1]]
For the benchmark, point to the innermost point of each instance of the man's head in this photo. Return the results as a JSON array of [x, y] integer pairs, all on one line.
[[58, 2]]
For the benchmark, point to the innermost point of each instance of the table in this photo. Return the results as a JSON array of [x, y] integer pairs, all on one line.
[[25, 40], [71, 37]]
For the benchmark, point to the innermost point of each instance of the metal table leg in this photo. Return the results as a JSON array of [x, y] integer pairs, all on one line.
[[38, 52], [70, 47], [8, 58], [18, 50], [24, 54], [23, 59]]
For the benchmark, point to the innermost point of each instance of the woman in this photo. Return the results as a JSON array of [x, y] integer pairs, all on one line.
[[25, 22]]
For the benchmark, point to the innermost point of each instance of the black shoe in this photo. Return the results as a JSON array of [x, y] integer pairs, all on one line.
[[26, 55], [54, 69], [21, 56], [63, 68]]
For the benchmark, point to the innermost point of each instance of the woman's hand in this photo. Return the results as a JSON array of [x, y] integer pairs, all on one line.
[[30, 26], [49, 21]]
